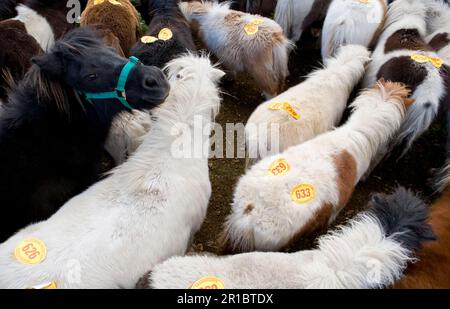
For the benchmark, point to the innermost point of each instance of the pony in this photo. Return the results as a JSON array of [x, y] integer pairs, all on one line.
[[352, 22], [320, 101], [118, 16], [295, 17], [384, 238], [432, 270], [402, 55], [122, 226], [158, 52], [285, 196], [438, 28], [35, 28], [242, 42], [53, 128], [8, 9]]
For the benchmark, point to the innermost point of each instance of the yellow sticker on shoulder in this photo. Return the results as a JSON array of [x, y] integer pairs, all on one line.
[[435, 61], [279, 168], [275, 106], [257, 21], [31, 251], [165, 34], [303, 193], [148, 39], [46, 286], [208, 283], [291, 111], [251, 29]]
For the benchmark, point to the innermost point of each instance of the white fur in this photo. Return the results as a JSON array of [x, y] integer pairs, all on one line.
[[276, 218], [351, 22], [237, 51], [290, 14], [408, 14], [37, 26], [320, 101], [358, 255], [146, 211], [126, 134]]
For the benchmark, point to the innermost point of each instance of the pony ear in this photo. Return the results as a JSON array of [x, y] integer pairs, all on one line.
[[217, 74], [50, 64]]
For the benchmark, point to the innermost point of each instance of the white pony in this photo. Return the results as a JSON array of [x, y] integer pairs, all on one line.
[[242, 42], [146, 211], [371, 251], [402, 41], [352, 22], [285, 196], [319, 101], [296, 16]]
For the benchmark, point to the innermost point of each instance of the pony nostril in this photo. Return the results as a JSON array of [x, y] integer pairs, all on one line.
[[150, 83]]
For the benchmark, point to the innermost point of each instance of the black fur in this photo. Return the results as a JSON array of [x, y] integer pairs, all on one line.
[[403, 217], [166, 14], [51, 141], [8, 9]]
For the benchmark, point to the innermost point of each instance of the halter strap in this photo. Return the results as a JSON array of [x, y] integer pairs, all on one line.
[[119, 92]]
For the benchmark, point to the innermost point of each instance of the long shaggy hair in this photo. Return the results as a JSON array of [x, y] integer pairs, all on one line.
[[263, 55], [370, 251], [266, 217], [320, 100]]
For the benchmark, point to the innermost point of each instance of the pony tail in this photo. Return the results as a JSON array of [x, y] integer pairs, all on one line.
[[283, 16]]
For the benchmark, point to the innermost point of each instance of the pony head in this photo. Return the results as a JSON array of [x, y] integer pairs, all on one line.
[[83, 62]]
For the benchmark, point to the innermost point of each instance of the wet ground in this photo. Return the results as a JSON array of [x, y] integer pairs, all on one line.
[[242, 97]]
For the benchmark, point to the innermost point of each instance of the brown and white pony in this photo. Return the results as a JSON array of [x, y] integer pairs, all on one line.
[[117, 19], [402, 55], [242, 42]]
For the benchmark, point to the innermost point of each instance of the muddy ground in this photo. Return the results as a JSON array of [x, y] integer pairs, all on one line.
[[242, 97]]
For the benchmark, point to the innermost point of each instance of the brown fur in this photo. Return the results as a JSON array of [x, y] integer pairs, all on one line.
[[121, 20], [249, 209], [109, 38], [397, 91], [347, 171], [439, 41], [432, 271], [404, 70], [233, 16], [17, 48], [57, 18], [317, 222], [409, 39], [144, 282]]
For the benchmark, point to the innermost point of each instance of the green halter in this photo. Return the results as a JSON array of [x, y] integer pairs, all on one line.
[[119, 92]]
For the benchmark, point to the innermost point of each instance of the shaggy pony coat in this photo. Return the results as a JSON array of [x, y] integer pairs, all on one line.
[[51, 139], [166, 14], [269, 212], [371, 251], [146, 211], [320, 101], [263, 55], [121, 19], [402, 39], [352, 22], [438, 28]]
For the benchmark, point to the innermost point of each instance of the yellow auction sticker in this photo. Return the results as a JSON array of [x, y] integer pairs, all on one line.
[[435, 61], [114, 2], [47, 286], [31, 251], [364, 1], [279, 168], [165, 34], [303, 193], [208, 283], [291, 111], [257, 21], [251, 29], [275, 106], [148, 39]]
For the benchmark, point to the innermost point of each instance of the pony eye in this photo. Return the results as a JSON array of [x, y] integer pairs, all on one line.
[[92, 76], [179, 76]]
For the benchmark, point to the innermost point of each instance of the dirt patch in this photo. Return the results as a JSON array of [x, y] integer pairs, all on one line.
[[242, 97]]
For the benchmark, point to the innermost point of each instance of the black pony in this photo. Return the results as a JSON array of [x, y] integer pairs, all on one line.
[[164, 14], [52, 138]]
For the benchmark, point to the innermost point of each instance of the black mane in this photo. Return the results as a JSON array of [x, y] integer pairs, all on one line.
[[8, 9]]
